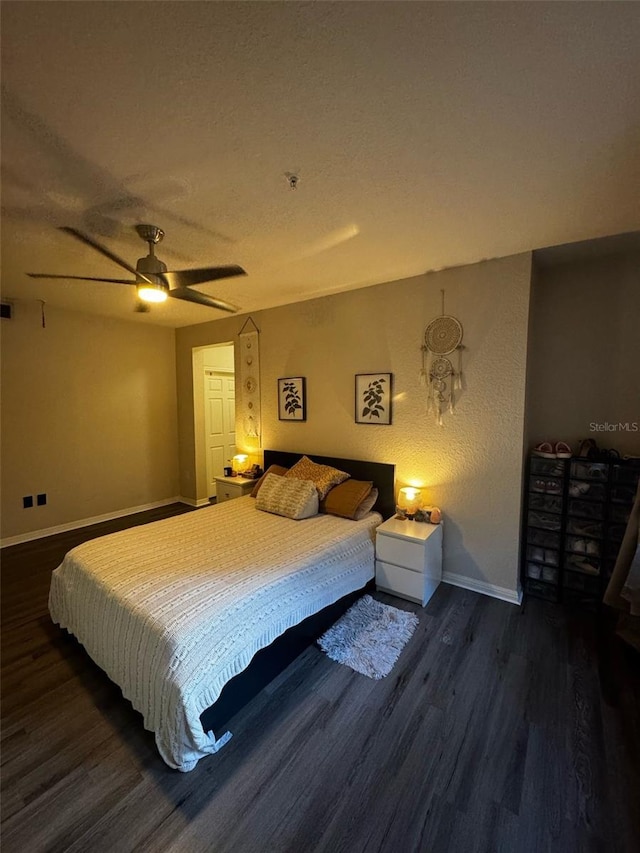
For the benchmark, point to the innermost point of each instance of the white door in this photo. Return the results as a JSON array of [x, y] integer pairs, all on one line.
[[219, 423]]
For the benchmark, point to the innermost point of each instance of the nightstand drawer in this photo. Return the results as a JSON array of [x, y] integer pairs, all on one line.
[[228, 488], [400, 552], [403, 582], [227, 493]]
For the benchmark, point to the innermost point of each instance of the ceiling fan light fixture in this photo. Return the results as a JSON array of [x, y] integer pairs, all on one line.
[[152, 292]]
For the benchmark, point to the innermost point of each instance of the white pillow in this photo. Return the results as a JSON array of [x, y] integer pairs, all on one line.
[[289, 497]]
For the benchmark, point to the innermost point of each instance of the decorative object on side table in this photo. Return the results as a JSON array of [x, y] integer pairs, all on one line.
[[373, 398], [411, 506], [239, 464], [292, 403], [429, 514], [409, 502]]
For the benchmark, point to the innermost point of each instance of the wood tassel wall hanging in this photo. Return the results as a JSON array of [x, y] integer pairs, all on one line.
[[441, 371], [248, 401]]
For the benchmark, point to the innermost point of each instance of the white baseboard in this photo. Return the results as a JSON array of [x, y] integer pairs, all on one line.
[[193, 502], [501, 592], [86, 522]]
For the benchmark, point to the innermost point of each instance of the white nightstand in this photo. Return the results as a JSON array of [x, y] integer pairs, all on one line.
[[409, 558], [228, 488]]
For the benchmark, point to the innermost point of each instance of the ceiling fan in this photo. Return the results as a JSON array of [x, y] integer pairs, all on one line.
[[152, 279]]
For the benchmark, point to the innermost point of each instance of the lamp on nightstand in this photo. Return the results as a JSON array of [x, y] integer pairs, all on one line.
[[409, 500], [239, 463]]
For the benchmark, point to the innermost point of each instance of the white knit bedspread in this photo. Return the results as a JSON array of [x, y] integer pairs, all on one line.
[[174, 609]]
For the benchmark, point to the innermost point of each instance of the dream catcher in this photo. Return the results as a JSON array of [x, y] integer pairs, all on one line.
[[441, 368]]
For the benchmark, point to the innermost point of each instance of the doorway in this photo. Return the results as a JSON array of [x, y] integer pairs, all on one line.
[[219, 424], [217, 433]]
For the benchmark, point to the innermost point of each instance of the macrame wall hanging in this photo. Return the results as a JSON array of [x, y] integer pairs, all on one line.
[[441, 371], [248, 412]]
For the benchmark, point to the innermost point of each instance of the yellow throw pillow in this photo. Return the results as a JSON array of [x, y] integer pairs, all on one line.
[[345, 498], [324, 476]]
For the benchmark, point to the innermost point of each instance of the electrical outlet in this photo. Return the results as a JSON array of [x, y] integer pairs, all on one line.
[[41, 500], [27, 502]]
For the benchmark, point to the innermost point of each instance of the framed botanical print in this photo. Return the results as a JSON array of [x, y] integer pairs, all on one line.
[[292, 399], [373, 398]]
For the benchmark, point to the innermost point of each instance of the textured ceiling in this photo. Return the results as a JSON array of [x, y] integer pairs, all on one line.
[[424, 135]]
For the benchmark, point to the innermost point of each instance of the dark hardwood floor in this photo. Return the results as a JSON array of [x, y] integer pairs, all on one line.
[[500, 729]]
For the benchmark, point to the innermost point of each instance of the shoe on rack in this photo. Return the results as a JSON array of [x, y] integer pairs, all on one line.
[[587, 567], [588, 449], [551, 557], [553, 487], [562, 450], [544, 449], [576, 489], [595, 472], [579, 527], [608, 455], [592, 548], [538, 486]]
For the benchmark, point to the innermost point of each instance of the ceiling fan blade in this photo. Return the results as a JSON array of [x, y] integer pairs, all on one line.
[[187, 278], [84, 238], [202, 299], [82, 278]]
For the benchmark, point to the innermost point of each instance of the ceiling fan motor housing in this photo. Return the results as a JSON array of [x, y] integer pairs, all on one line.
[[150, 266]]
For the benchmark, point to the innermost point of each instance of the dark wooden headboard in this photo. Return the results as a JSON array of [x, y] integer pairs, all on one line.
[[382, 474]]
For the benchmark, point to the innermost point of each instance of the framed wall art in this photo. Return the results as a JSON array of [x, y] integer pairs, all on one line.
[[373, 398], [292, 399]]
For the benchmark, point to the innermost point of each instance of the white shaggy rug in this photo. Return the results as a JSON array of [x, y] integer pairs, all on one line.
[[369, 637]]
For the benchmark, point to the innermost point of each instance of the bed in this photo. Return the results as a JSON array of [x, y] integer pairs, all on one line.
[[193, 614]]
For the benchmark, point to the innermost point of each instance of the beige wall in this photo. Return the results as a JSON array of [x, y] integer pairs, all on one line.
[[584, 352], [88, 416], [472, 464], [219, 357]]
